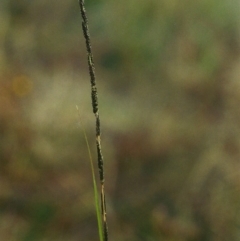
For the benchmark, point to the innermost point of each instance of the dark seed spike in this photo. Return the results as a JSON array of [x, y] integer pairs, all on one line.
[[94, 97]]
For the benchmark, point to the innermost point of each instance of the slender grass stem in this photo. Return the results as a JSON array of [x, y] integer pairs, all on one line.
[[94, 96], [97, 207]]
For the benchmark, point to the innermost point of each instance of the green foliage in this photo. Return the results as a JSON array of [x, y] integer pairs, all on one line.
[[95, 189]]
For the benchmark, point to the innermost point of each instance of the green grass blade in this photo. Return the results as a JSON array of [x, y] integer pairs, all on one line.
[[97, 206]]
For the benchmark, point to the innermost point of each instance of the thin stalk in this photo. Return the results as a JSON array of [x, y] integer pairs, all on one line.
[[97, 207], [94, 96]]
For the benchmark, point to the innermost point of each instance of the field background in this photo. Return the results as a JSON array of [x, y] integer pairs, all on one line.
[[169, 92]]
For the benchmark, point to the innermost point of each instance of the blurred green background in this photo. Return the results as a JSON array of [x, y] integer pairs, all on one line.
[[169, 93]]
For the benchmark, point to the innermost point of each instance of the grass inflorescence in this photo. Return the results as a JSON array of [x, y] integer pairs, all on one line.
[[103, 227]]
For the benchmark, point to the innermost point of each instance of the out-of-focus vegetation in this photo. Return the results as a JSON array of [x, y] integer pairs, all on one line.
[[168, 79]]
